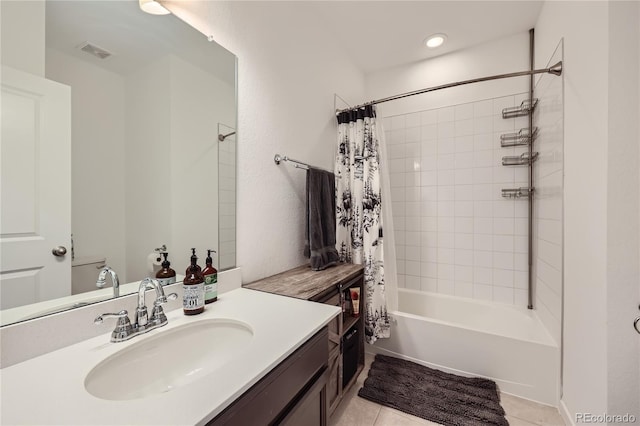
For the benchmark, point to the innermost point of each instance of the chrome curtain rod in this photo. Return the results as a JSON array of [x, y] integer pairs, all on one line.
[[554, 69]]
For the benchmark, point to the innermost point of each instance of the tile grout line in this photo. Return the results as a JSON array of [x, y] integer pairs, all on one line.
[[525, 420], [377, 415]]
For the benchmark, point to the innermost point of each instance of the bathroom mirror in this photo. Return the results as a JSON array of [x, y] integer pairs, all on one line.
[[152, 151]]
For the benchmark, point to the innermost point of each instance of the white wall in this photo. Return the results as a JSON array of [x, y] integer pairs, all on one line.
[[172, 160], [24, 21], [547, 215], [148, 166], [505, 55], [623, 225], [171, 154], [199, 101], [586, 111], [288, 71], [600, 262], [97, 163], [585, 167]]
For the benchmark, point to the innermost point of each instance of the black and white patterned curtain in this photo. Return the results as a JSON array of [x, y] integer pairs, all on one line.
[[359, 211]]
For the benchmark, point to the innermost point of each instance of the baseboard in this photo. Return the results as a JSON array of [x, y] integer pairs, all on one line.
[[566, 415]]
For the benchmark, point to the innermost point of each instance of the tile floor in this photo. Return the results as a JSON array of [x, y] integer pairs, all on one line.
[[356, 411]]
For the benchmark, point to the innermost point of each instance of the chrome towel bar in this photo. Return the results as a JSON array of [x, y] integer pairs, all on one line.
[[297, 164]]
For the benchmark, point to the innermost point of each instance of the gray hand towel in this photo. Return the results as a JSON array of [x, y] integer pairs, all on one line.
[[320, 227]]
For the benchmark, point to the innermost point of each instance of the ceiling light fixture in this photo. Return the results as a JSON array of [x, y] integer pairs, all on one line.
[[435, 40], [153, 7]]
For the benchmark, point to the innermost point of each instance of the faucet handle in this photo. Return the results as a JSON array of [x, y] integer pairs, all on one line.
[[123, 330], [164, 299], [120, 315], [157, 315]]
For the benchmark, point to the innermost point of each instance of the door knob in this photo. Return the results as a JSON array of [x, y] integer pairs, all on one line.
[[59, 251]]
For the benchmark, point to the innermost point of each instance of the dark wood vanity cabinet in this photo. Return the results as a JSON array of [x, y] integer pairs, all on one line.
[[293, 393], [346, 340], [345, 349]]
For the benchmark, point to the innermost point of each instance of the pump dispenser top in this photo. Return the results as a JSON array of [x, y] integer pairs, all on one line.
[[193, 288], [166, 275], [194, 262]]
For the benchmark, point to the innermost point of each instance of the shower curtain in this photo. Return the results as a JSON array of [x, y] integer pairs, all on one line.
[[359, 237]]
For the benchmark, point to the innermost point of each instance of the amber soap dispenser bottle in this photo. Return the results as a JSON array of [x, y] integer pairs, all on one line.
[[166, 275], [193, 288], [210, 280]]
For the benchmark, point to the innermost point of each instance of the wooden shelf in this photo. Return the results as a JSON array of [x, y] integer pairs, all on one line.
[[348, 321]]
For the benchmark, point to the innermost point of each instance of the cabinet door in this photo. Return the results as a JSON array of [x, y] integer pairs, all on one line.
[[269, 400], [335, 326], [311, 410], [334, 385]]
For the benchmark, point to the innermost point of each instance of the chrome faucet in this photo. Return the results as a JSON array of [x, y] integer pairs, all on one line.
[[157, 314], [141, 311], [158, 318], [124, 330], [114, 278]]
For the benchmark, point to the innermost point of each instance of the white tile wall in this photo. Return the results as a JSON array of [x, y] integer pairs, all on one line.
[[455, 233], [548, 213]]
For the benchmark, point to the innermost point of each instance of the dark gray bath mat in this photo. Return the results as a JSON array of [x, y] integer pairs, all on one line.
[[433, 395]]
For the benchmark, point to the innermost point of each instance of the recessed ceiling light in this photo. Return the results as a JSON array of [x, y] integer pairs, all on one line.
[[435, 40]]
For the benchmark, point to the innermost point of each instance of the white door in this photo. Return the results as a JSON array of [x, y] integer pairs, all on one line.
[[35, 189]]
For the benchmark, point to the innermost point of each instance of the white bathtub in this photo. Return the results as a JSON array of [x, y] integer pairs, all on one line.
[[468, 337]]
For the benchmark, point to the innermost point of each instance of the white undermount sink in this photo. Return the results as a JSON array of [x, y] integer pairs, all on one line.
[[170, 359]]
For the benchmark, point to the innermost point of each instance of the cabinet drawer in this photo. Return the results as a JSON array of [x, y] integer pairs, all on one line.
[[267, 400]]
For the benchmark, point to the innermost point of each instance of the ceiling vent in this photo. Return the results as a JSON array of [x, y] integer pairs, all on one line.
[[94, 50]]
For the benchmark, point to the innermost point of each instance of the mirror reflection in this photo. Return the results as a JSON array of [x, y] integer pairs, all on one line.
[[111, 151]]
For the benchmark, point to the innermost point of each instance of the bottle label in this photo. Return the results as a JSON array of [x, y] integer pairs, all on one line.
[[211, 286], [166, 281], [193, 297]]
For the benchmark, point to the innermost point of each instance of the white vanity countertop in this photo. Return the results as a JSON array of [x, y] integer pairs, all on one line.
[[50, 389]]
